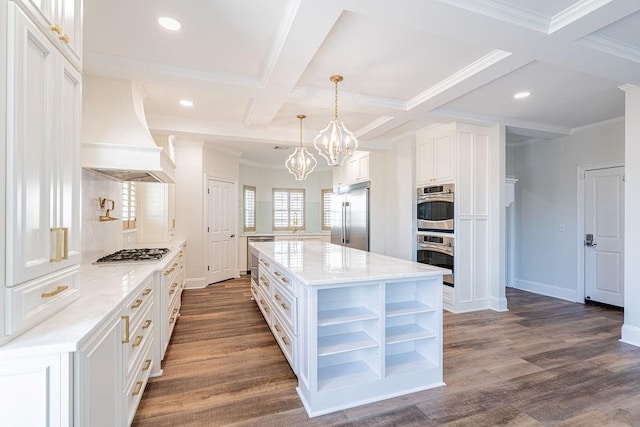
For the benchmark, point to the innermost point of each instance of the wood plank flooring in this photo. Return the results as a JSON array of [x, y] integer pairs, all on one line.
[[545, 362]]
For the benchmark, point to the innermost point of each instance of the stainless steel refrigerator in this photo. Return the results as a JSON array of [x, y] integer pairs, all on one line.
[[350, 216]]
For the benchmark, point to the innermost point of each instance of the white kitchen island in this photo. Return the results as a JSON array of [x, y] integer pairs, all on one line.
[[356, 327]]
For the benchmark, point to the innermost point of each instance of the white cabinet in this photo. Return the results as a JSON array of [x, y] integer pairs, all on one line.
[[98, 379], [61, 22], [355, 169], [35, 390], [435, 161], [154, 221], [42, 210]]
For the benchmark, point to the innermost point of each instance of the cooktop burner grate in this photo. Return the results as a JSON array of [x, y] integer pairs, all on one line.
[[132, 255]]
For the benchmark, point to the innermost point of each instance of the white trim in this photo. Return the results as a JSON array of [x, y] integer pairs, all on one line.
[[195, 283], [597, 124], [498, 304], [611, 47], [545, 289], [575, 12], [581, 170], [630, 335]]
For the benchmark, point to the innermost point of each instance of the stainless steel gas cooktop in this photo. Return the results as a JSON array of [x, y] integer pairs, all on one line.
[[134, 255]]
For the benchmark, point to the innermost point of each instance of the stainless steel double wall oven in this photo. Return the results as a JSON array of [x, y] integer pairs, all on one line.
[[435, 223]]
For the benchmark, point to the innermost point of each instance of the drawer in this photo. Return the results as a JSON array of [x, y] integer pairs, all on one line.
[[264, 280], [136, 383], [172, 317], [254, 290], [284, 303], [282, 278], [38, 299], [285, 338], [136, 339], [265, 307], [137, 306], [264, 262]]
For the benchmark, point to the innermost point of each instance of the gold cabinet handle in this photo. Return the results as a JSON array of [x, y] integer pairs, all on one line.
[[138, 341], [285, 306], [277, 297], [146, 292], [285, 340], [56, 29], [147, 363], [138, 388], [55, 292], [277, 273], [126, 329], [65, 242], [137, 304], [265, 263], [278, 328], [285, 280], [173, 319], [64, 38], [175, 310], [146, 324]]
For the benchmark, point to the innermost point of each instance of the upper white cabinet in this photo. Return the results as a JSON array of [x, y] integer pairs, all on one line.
[[42, 159], [435, 149], [355, 169], [61, 22]]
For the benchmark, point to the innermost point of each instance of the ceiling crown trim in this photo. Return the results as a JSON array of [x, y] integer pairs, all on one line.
[[504, 12], [458, 77], [612, 47], [574, 13], [373, 125]]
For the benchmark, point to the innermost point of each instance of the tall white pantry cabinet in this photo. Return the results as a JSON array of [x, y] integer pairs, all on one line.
[[41, 102]]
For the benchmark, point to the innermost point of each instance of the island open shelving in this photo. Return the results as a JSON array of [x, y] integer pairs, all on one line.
[[360, 327]]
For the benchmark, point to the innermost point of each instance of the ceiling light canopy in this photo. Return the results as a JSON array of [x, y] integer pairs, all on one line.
[[186, 103], [170, 24], [335, 142], [522, 95], [301, 163]]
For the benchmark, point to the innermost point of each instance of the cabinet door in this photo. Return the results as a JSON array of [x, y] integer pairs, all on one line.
[[338, 175], [443, 157], [29, 186], [425, 161], [35, 391], [98, 378]]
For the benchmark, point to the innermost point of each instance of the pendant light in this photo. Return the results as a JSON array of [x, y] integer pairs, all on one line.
[[335, 142], [301, 163]]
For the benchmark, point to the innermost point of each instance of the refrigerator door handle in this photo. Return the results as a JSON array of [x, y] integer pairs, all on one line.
[[342, 226], [347, 222]]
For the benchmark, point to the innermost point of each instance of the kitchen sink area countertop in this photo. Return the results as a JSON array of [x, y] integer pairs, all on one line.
[[103, 288]]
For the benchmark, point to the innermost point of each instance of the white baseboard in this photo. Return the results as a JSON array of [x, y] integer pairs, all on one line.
[[545, 289], [195, 283], [466, 307], [498, 304], [630, 335]]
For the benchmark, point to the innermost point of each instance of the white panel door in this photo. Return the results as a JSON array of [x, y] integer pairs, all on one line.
[[604, 236], [220, 231]]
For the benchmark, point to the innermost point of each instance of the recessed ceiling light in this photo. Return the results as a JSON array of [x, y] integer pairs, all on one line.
[[169, 23], [522, 95], [186, 103]]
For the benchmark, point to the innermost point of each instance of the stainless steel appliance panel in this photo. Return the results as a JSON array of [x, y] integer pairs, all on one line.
[[437, 251], [435, 208], [350, 217]]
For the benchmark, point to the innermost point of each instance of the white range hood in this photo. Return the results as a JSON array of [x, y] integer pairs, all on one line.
[[115, 137]]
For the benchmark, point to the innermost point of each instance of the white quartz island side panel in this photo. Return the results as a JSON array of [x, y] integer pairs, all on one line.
[[356, 327]]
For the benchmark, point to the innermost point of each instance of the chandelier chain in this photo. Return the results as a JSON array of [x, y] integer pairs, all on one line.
[[335, 116]]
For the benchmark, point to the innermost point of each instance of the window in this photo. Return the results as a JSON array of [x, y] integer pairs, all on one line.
[[288, 209], [249, 199], [327, 196], [128, 205]]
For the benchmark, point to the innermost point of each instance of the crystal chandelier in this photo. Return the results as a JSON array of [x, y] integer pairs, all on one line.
[[301, 162], [335, 142]]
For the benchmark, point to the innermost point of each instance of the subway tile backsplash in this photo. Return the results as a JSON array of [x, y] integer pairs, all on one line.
[[99, 236]]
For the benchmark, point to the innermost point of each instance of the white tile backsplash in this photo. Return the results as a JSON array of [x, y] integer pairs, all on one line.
[[99, 237]]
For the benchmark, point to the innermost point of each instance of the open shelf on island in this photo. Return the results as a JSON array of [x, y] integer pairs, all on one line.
[[345, 315], [407, 307], [341, 343], [403, 363], [344, 375], [409, 332]]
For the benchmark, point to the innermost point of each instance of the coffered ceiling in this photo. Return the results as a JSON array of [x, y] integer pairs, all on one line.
[[250, 66]]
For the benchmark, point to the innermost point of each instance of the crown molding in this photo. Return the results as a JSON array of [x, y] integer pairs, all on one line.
[[574, 12], [612, 47], [373, 125], [284, 29], [598, 124], [250, 112], [504, 12], [459, 76]]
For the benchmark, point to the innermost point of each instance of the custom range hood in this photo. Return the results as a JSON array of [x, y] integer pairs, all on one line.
[[115, 137]]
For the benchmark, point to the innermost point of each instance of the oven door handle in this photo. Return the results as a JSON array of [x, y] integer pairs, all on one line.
[[448, 197], [447, 250]]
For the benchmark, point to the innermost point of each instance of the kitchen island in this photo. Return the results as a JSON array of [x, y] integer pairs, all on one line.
[[356, 327]]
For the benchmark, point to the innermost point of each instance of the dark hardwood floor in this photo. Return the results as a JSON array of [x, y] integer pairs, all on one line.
[[545, 362]]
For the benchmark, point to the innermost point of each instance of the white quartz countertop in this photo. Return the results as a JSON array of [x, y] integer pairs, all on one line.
[[318, 263], [102, 290]]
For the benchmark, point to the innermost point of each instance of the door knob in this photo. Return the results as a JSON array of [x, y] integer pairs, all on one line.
[[233, 235]]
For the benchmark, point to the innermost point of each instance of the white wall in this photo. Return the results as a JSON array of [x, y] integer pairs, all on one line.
[[631, 328], [546, 198], [266, 179]]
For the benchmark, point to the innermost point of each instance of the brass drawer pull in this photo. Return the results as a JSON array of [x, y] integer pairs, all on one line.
[[278, 328], [137, 304], [126, 329], [285, 340], [55, 292], [175, 310], [265, 263], [277, 273], [277, 297], [171, 320], [285, 306], [146, 292], [64, 38], [146, 324], [138, 341], [138, 388], [169, 271], [147, 363], [56, 28], [171, 292], [285, 280]]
